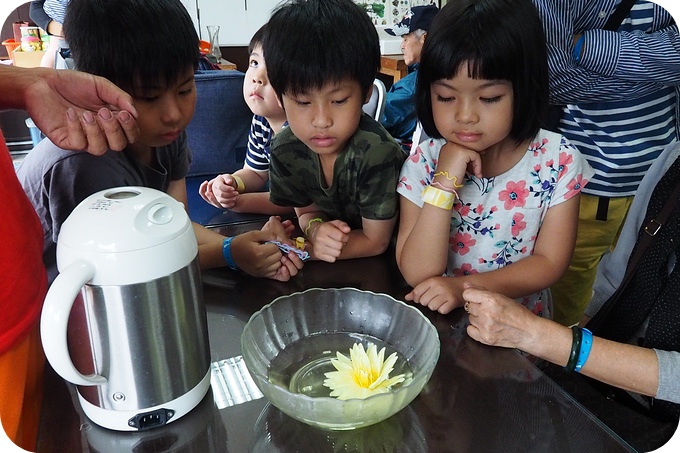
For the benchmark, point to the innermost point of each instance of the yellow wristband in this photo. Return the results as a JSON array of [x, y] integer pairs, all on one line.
[[439, 198], [309, 225], [240, 187]]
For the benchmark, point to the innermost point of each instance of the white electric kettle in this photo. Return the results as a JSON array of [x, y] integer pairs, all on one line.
[[125, 319]]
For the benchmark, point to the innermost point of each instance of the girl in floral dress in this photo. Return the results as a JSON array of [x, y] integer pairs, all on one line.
[[490, 189]]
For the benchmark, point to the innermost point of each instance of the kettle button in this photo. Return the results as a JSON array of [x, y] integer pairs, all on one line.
[[160, 214]]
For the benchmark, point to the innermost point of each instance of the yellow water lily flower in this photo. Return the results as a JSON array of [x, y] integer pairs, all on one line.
[[363, 374]]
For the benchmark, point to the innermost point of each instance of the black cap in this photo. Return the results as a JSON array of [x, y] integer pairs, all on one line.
[[418, 17]]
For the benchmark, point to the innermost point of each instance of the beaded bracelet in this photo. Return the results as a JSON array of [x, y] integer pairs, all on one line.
[[240, 186], [309, 225], [439, 198], [584, 351], [575, 348], [226, 253], [450, 178]]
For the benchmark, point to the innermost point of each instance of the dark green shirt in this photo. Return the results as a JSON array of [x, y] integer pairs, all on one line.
[[364, 176]]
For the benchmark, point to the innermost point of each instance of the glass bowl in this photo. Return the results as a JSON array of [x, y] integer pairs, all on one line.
[[288, 346]]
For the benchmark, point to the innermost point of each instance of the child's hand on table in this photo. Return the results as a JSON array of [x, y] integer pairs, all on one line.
[[441, 294], [220, 191], [328, 239]]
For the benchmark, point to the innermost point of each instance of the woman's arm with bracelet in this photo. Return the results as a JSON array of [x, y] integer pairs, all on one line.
[[500, 321]]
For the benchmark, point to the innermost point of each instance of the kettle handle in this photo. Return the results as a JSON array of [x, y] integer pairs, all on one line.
[[54, 321]]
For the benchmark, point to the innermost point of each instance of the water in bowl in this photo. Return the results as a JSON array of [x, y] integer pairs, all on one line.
[[302, 365]]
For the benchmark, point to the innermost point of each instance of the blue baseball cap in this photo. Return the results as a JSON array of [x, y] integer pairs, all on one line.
[[418, 17]]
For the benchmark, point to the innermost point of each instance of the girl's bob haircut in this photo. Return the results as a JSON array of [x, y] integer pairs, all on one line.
[[495, 40]]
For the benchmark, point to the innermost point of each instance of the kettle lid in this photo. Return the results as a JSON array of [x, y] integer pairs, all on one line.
[[124, 219]]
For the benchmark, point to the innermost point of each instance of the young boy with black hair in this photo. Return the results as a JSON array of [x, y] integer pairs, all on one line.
[[337, 166], [157, 69]]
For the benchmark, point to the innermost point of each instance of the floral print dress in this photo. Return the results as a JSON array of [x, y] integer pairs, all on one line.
[[496, 220]]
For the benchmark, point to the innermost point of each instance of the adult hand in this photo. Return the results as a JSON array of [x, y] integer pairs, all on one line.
[[498, 320], [80, 111], [220, 191]]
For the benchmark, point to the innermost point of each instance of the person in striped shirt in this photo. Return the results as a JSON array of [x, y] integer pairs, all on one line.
[[620, 91], [49, 15], [245, 189]]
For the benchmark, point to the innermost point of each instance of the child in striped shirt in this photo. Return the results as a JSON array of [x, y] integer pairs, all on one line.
[[244, 190]]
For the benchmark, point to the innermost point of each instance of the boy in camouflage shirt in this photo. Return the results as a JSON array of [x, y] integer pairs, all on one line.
[[336, 165]]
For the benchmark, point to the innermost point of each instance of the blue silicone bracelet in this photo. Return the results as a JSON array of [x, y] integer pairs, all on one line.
[[578, 46], [226, 253], [586, 345]]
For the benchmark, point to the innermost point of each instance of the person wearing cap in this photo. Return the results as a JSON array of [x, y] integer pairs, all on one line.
[[400, 109]]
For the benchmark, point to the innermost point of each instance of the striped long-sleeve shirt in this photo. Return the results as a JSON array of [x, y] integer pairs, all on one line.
[[259, 141], [622, 96], [56, 9]]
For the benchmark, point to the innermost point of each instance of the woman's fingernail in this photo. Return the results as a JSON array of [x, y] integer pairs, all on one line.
[[71, 114]]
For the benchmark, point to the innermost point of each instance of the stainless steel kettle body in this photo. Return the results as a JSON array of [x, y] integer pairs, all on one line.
[[149, 339]]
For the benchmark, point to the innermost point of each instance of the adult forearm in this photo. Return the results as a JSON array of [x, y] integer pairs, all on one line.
[[621, 365], [15, 82], [613, 66], [634, 56], [574, 84]]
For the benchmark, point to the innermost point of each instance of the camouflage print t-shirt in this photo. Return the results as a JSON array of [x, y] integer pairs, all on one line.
[[364, 177]]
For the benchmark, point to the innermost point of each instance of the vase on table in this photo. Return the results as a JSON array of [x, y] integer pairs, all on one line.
[[214, 38]]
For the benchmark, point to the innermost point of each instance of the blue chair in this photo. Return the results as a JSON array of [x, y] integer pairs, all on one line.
[[217, 135]]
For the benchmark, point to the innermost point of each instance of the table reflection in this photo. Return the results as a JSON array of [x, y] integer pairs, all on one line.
[[276, 432], [200, 431]]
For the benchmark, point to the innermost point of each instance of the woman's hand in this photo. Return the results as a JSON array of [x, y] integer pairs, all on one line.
[[498, 320]]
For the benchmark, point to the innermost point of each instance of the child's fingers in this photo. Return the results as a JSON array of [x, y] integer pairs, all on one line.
[[475, 164], [340, 227], [203, 188]]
